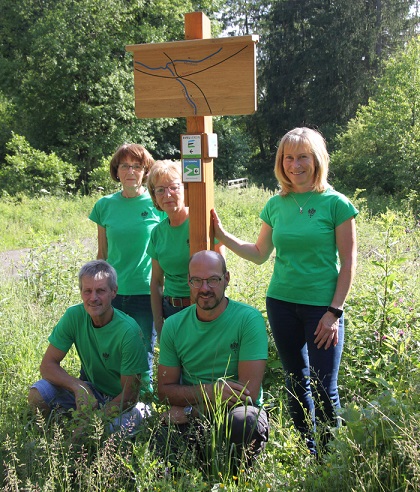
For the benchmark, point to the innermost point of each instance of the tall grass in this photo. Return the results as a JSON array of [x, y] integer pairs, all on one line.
[[29, 222], [377, 449]]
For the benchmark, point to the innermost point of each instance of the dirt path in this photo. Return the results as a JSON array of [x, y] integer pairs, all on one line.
[[12, 261]]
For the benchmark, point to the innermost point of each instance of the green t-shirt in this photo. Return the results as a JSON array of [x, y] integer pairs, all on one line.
[[107, 353], [128, 223], [306, 265], [206, 351], [170, 246]]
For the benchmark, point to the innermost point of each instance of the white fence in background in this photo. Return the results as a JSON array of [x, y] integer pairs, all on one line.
[[238, 183]]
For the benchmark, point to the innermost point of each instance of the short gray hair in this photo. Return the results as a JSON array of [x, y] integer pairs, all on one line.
[[99, 269]]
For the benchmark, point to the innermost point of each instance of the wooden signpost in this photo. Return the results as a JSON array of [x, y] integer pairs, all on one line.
[[197, 78]]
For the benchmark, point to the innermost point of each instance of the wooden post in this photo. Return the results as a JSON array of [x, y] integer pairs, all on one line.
[[196, 78], [200, 196]]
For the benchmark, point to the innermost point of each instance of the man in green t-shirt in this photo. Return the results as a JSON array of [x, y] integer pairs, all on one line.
[[111, 350], [212, 359]]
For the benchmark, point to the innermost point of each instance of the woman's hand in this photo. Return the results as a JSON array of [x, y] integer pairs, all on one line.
[[326, 332], [219, 232]]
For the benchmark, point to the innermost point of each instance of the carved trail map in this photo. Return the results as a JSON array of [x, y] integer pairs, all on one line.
[[204, 77]]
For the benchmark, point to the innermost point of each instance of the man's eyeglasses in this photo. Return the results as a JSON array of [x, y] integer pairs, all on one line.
[[212, 282], [135, 167], [173, 188]]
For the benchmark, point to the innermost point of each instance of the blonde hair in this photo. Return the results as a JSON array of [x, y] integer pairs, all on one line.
[[162, 169], [317, 145]]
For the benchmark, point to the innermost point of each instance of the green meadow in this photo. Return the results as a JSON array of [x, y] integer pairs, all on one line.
[[377, 448]]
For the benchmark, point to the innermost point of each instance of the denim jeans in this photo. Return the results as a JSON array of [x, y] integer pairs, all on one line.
[[311, 373], [56, 396], [168, 309], [139, 308]]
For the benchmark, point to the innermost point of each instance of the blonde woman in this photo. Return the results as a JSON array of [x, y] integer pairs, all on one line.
[[169, 245], [312, 227]]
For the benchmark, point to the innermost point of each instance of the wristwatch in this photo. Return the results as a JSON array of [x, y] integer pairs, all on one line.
[[188, 411], [336, 312]]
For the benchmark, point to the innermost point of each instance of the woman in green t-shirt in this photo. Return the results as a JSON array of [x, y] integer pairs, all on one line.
[[125, 221], [312, 227], [169, 244]]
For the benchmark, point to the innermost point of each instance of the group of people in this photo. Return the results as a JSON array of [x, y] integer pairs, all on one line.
[[213, 350]]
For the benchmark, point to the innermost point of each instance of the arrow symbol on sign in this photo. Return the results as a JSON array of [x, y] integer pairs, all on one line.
[[190, 170]]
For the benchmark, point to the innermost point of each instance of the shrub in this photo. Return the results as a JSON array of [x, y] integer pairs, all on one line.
[[31, 171]]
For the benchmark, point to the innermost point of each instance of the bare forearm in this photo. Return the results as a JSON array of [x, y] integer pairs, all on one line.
[[344, 283], [55, 374], [246, 250], [156, 296], [102, 244], [181, 395], [257, 253]]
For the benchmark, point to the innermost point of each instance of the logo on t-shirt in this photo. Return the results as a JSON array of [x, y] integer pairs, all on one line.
[[311, 212], [105, 356], [144, 214], [234, 346]]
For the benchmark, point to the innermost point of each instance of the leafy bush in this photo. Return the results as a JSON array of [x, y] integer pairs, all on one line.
[[100, 179], [380, 149], [7, 115], [33, 172]]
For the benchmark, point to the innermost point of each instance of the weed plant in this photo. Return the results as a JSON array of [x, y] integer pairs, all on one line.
[[376, 450]]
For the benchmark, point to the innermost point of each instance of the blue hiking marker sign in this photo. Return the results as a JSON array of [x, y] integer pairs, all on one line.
[[191, 170]]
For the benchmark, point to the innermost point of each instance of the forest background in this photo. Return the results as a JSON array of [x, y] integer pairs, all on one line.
[[349, 69]]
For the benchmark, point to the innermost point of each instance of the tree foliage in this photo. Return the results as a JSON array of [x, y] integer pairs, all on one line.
[[380, 148], [67, 85], [65, 66], [318, 62], [31, 171]]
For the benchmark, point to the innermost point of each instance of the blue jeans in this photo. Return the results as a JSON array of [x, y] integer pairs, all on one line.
[[129, 420], [139, 308], [311, 373]]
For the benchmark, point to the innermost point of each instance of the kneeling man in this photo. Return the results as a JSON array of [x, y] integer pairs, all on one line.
[[111, 350], [212, 359]]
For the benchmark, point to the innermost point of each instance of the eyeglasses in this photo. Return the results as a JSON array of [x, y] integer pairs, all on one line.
[[173, 188], [212, 282], [135, 167]]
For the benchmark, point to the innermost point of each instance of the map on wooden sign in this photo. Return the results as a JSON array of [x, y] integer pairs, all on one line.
[[203, 77]]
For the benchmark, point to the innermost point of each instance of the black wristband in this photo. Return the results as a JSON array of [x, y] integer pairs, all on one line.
[[336, 312]]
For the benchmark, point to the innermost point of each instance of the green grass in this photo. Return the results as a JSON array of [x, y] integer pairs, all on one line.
[[378, 449], [31, 222]]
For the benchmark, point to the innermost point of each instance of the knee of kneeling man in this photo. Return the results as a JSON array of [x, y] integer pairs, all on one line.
[[36, 402]]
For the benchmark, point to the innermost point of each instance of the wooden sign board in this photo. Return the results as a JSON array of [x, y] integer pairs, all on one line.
[[203, 77]]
